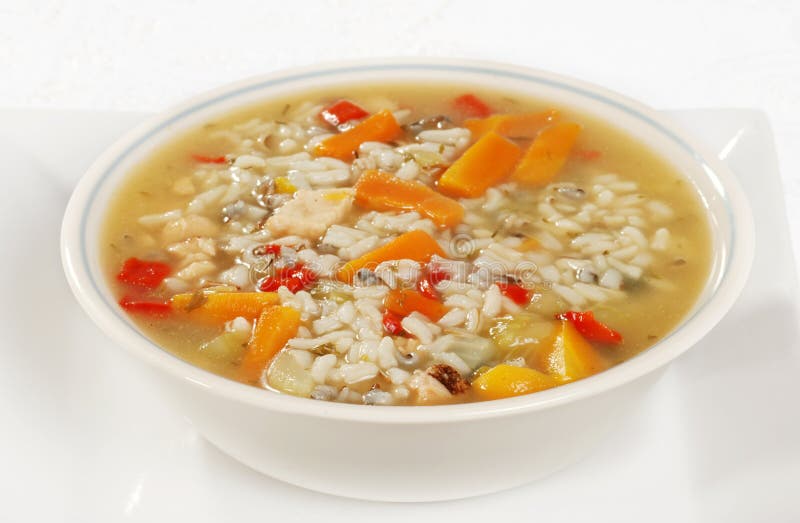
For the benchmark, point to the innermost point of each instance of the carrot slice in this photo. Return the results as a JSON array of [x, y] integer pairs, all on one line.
[[217, 308], [275, 326], [487, 162], [547, 154], [524, 125], [380, 127], [405, 301], [380, 191], [414, 245]]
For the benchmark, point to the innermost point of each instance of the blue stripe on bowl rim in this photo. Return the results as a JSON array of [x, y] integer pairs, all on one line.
[[473, 69]]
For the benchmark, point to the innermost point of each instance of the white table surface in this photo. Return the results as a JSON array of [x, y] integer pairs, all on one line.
[[148, 54]]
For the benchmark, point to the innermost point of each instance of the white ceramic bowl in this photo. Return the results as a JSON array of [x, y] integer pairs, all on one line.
[[410, 453]]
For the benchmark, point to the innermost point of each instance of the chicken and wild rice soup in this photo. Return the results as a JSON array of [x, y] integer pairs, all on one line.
[[406, 245]]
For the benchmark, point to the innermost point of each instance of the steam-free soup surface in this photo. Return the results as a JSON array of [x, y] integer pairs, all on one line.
[[406, 244]]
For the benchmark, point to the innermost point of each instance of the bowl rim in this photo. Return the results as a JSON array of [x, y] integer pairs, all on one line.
[[687, 334]]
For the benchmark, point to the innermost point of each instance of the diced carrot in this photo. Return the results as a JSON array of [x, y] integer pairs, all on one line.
[[218, 307], [380, 127], [487, 162], [547, 154], [275, 326], [414, 245], [570, 356], [515, 125], [506, 381], [379, 191], [405, 301], [470, 105]]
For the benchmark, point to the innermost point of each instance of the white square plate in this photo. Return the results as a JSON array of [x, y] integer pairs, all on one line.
[[85, 436]]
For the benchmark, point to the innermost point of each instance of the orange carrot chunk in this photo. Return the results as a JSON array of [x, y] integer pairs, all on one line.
[[275, 326], [486, 163], [380, 127], [547, 154], [220, 307], [405, 301], [524, 125], [414, 245], [380, 191]]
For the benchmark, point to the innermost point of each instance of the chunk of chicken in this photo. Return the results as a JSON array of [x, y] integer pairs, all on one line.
[[310, 213], [430, 391]]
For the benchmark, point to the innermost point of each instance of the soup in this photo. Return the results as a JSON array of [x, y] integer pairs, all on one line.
[[405, 245]]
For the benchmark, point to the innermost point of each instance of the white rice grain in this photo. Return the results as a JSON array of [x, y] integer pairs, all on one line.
[[152, 221], [569, 294], [357, 372], [628, 270], [417, 328], [590, 292], [611, 279], [473, 321], [397, 376], [660, 241], [492, 302], [460, 300], [196, 270], [325, 324], [322, 366], [454, 360], [386, 357], [453, 318]]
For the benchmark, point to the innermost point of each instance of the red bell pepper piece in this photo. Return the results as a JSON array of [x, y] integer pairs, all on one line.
[[269, 248], [472, 106], [392, 323], [517, 294], [590, 328], [144, 306], [208, 159], [437, 274], [425, 286], [342, 112], [295, 278], [141, 273]]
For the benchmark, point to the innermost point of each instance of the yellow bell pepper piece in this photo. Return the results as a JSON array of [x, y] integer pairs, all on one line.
[[505, 381], [571, 357]]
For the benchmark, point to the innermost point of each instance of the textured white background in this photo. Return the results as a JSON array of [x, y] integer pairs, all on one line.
[[145, 55]]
